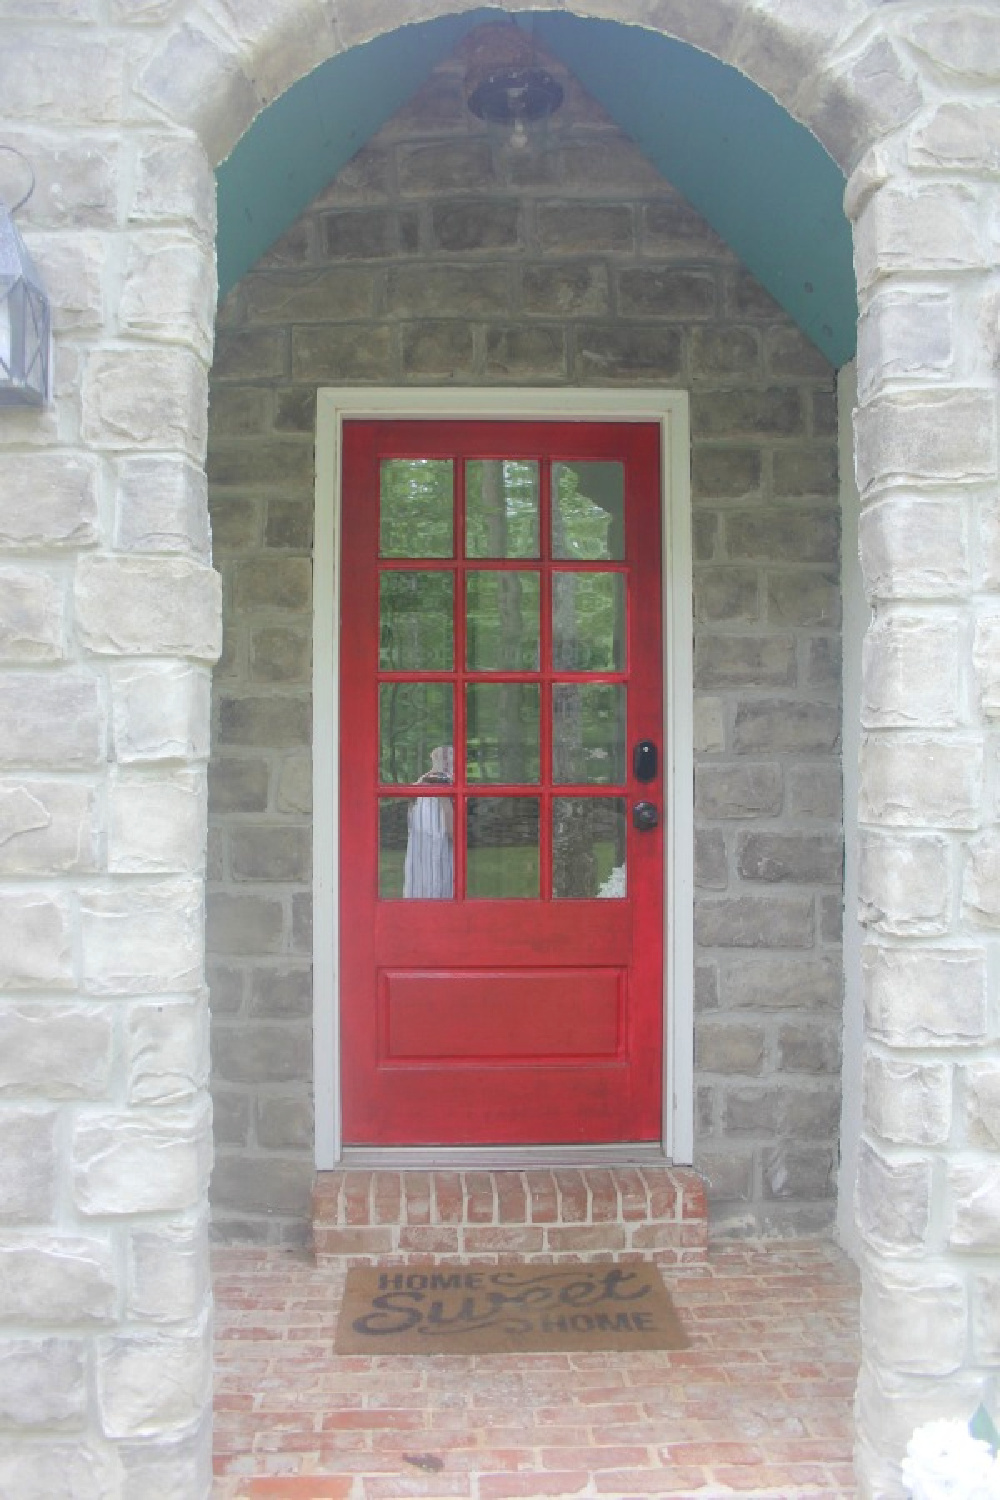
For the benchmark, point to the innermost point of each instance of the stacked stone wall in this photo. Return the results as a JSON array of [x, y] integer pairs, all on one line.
[[434, 259]]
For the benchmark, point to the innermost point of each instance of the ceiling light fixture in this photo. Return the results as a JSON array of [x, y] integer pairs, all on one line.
[[515, 98]]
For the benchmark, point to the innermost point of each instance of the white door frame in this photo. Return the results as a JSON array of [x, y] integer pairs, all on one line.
[[670, 410]]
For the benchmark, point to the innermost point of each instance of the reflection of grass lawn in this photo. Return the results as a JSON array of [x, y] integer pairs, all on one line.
[[506, 872]]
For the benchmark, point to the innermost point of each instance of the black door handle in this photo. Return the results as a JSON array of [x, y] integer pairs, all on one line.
[[645, 761], [645, 816]]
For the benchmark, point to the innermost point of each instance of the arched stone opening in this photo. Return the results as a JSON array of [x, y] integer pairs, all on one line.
[[920, 198]]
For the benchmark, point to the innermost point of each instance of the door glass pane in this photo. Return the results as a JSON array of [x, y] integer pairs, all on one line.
[[588, 732], [589, 839], [501, 508], [502, 861], [588, 510], [502, 732], [415, 516], [588, 622], [502, 621], [416, 621], [415, 736], [416, 848]]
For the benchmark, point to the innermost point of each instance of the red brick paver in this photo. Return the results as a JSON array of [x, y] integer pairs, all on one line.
[[759, 1405]]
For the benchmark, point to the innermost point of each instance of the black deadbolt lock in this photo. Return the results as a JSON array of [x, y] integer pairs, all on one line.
[[644, 761]]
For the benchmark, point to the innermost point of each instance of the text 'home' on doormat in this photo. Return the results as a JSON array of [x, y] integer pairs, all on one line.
[[506, 1309]]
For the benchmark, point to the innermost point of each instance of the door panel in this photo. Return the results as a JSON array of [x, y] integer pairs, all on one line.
[[501, 911]]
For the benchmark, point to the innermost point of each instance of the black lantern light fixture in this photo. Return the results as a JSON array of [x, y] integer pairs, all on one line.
[[25, 318], [516, 98]]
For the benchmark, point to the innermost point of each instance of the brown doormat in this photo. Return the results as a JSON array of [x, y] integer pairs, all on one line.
[[506, 1309]]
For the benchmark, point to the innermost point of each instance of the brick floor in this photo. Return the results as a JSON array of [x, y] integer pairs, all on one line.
[[760, 1405]]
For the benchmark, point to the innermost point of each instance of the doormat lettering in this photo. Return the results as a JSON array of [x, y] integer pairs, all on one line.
[[506, 1309]]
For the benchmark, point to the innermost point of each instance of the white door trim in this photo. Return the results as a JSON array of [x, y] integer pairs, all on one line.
[[670, 410]]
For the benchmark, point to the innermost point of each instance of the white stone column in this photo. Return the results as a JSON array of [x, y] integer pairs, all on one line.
[[109, 623], [925, 210]]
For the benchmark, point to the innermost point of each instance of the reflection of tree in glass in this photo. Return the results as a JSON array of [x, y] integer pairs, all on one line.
[[415, 515], [589, 838], [413, 718], [501, 508], [415, 621]]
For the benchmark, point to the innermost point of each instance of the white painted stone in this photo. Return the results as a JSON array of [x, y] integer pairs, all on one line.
[[915, 548], [199, 84], [915, 1318], [163, 606], [31, 616], [911, 673], [53, 1050], [46, 827], [156, 398], [280, 39], [48, 500], [981, 881], [173, 1468], [907, 1103], [973, 1219], [59, 1470], [162, 506], [986, 661], [986, 1316], [963, 44], [56, 1278], [52, 720], [890, 1405], [905, 335], [27, 1164], [925, 997], [168, 1279], [42, 1382], [919, 228], [58, 77], [166, 1044], [982, 1104], [169, 290], [905, 884], [894, 1200], [72, 269], [709, 725], [920, 782], [36, 950], [149, 1385], [141, 1161], [935, 436], [156, 822], [174, 183], [161, 712], [959, 136], [142, 938]]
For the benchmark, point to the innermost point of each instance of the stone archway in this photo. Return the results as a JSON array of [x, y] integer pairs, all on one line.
[[117, 621]]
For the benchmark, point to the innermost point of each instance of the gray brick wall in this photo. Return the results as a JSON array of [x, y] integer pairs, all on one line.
[[432, 260]]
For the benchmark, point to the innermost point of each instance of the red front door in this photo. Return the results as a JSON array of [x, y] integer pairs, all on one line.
[[501, 867]]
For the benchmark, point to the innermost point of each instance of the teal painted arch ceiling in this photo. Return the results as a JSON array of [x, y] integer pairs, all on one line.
[[761, 180]]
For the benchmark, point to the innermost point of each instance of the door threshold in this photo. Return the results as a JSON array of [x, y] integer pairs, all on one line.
[[513, 1158]]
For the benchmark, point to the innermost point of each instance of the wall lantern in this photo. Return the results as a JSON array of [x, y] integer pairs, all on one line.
[[514, 99], [25, 319]]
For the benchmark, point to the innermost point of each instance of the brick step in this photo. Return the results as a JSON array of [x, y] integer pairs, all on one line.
[[363, 1216]]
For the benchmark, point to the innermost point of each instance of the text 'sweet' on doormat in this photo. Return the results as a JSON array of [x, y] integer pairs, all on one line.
[[506, 1309]]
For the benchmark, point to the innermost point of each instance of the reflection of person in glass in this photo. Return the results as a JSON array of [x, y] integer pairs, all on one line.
[[429, 870]]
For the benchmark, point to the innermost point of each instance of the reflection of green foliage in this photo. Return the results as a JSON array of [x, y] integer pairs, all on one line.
[[586, 521], [501, 508], [502, 732], [588, 732], [588, 622], [502, 621], [415, 621], [415, 518], [414, 717]]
